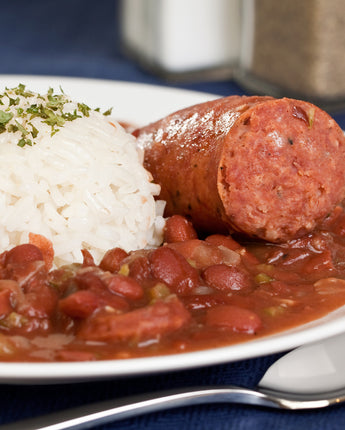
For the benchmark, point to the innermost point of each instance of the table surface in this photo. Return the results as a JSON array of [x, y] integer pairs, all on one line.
[[81, 38]]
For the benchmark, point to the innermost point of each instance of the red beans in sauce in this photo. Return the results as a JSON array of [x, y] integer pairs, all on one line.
[[188, 294]]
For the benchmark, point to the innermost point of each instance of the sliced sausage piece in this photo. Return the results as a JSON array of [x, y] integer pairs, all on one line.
[[269, 168], [140, 324]]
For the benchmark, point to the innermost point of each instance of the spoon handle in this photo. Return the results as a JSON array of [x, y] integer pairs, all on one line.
[[87, 416]]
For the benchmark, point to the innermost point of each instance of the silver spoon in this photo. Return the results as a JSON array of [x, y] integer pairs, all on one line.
[[284, 386]]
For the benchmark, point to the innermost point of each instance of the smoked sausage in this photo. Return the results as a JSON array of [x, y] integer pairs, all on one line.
[[268, 168]]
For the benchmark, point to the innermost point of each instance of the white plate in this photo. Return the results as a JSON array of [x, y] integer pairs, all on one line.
[[140, 104]]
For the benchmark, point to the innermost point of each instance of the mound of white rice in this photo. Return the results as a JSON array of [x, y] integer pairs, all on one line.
[[71, 175]]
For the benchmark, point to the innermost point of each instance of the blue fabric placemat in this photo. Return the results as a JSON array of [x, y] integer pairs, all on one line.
[[26, 401], [81, 38]]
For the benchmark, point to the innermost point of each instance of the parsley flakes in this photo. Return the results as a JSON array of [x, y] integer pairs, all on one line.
[[18, 111]]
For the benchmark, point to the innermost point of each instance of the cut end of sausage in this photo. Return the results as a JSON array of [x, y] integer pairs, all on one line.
[[282, 171]]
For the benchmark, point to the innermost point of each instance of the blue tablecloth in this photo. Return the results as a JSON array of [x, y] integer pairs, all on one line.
[[81, 38]]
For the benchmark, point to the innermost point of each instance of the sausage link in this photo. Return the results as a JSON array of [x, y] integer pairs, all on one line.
[[269, 168]]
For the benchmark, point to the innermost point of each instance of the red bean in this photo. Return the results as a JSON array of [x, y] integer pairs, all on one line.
[[112, 259], [87, 280], [330, 285], [46, 247], [93, 281], [40, 300], [140, 268], [87, 258], [13, 286], [200, 253], [125, 286], [178, 229], [226, 278], [29, 275], [221, 240], [5, 302], [109, 300], [25, 253], [80, 304], [247, 257], [173, 269], [233, 317]]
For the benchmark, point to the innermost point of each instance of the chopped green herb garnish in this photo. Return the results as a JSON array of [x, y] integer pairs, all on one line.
[[20, 91], [5, 117], [84, 109], [49, 108], [53, 119], [71, 116], [21, 128], [22, 142], [108, 112], [12, 128], [14, 102], [34, 131], [33, 109]]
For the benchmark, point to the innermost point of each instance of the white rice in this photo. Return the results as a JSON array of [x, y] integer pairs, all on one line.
[[83, 187]]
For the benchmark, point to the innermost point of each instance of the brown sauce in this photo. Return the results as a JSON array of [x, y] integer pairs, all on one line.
[[186, 295]]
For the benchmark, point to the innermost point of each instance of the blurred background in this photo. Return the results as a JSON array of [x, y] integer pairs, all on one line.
[[89, 39], [290, 47]]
